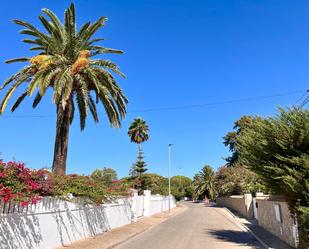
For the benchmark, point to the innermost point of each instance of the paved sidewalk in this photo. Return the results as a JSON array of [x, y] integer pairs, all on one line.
[[269, 240], [119, 235]]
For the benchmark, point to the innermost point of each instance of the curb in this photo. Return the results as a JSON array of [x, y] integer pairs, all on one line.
[[248, 229], [146, 229]]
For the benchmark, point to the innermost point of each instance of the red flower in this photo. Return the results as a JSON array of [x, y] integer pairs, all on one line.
[[24, 203], [2, 175]]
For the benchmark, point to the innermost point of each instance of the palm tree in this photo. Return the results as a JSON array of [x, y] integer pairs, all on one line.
[[138, 132], [64, 63], [203, 183]]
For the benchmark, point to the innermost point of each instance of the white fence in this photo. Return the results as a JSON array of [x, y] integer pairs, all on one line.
[[54, 222]]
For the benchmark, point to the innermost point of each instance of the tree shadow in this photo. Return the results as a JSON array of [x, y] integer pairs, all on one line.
[[238, 237], [54, 222]]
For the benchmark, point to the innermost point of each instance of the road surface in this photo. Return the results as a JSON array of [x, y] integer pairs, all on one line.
[[199, 227]]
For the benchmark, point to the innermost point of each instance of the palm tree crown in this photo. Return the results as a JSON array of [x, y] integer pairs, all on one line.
[[138, 131], [64, 64], [204, 183]]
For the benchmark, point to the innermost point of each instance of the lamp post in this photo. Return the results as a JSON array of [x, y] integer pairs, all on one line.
[[169, 177]]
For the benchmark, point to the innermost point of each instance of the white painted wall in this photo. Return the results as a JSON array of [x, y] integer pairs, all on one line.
[[159, 204], [54, 222]]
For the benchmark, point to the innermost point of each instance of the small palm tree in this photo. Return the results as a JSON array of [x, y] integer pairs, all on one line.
[[203, 183], [64, 64]]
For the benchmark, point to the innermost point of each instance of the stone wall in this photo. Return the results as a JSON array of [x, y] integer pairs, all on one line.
[[242, 204], [282, 227]]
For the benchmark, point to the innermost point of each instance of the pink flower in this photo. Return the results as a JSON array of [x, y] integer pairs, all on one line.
[[24, 203], [2, 175]]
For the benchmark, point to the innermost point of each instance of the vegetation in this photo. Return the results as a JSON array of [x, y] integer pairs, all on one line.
[[21, 184], [277, 149], [204, 184], [64, 64], [139, 133], [106, 175], [235, 177], [181, 186], [26, 186], [140, 165], [231, 138], [237, 180]]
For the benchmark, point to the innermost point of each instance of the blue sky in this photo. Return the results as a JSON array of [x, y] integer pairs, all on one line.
[[177, 53]]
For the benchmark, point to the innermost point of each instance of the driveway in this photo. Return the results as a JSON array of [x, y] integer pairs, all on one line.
[[196, 228]]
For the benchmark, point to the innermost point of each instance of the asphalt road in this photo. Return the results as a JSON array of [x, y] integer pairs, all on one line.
[[197, 227]]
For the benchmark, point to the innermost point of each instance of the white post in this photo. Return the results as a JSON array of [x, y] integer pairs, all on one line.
[[147, 197], [134, 205], [169, 177]]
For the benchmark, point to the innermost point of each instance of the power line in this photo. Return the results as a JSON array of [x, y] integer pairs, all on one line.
[[181, 107], [301, 97], [306, 100], [220, 102]]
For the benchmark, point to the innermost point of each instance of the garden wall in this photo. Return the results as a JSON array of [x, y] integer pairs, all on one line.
[[242, 204], [54, 222], [274, 216]]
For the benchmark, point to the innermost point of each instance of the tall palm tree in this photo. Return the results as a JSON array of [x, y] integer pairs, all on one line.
[[64, 63], [139, 133], [204, 184]]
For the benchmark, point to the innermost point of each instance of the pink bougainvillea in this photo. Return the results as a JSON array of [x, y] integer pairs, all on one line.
[[22, 184]]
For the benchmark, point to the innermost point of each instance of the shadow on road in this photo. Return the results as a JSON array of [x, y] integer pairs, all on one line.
[[238, 237]]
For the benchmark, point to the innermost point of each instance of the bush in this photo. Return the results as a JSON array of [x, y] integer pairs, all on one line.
[[21, 184], [27, 186]]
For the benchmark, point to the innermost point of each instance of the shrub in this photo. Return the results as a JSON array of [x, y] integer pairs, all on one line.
[[21, 184]]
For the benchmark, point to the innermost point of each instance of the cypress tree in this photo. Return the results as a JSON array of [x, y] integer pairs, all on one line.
[[277, 149]]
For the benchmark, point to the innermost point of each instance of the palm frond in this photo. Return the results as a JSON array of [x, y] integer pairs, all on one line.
[[22, 59], [18, 101]]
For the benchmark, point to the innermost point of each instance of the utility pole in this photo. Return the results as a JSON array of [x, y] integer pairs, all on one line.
[[169, 177]]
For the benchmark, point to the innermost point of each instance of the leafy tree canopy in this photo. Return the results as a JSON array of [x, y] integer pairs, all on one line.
[[181, 186], [230, 139], [105, 175], [277, 149], [236, 181]]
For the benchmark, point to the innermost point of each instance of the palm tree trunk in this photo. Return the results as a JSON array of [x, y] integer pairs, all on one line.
[[62, 138], [140, 150]]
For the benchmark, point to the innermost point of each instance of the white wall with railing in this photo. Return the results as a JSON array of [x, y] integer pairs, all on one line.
[[53, 222]]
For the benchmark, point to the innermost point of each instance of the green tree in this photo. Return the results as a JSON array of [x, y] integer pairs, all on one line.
[[237, 180], [204, 184], [277, 149], [230, 139], [181, 186], [140, 166], [64, 64], [154, 182], [105, 175]]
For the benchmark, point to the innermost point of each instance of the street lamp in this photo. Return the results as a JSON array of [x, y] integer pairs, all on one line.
[[169, 177]]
